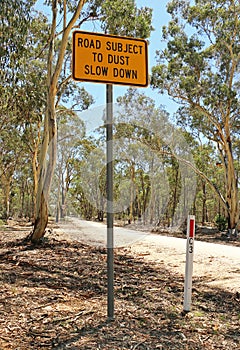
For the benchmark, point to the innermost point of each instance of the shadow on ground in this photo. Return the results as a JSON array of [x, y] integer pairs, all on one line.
[[54, 296]]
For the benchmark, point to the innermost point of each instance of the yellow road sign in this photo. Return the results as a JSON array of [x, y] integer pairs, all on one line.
[[109, 59]]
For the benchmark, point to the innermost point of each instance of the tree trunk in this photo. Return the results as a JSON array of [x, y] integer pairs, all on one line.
[[49, 145], [204, 203], [35, 169], [6, 191], [175, 191], [132, 194], [6, 187], [41, 220], [231, 191], [49, 149]]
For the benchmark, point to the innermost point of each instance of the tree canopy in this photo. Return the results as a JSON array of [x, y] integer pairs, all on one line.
[[199, 68]]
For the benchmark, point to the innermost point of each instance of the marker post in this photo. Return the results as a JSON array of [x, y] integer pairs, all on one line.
[[189, 263]]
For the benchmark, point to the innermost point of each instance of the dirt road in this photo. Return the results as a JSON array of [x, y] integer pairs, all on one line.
[[216, 264]]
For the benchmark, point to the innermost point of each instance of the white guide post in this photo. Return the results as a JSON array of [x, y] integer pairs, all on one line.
[[189, 263]]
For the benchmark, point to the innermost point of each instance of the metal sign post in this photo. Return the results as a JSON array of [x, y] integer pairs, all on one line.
[[109, 59], [189, 263], [110, 242]]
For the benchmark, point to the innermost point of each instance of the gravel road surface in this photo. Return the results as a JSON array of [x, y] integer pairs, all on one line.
[[217, 264]]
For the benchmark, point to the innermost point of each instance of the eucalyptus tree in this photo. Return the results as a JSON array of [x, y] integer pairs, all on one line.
[[161, 161], [199, 69], [14, 20], [14, 27], [70, 131], [25, 78], [70, 14], [206, 159], [88, 181], [123, 17], [11, 151]]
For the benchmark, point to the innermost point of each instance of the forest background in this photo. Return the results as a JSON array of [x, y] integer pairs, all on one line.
[[166, 165]]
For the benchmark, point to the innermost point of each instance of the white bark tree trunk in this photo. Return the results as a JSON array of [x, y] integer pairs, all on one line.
[[49, 145]]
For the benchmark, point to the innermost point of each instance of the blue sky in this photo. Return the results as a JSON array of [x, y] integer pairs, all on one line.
[[160, 18]]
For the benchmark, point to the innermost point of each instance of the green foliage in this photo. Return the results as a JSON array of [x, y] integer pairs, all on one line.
[[2, 223], [15, 15], [122, 17], [156, 173], [23, 86], [221, 222], [199, 69]]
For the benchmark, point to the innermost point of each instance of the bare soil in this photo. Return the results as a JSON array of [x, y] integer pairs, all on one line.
[[53, 296]]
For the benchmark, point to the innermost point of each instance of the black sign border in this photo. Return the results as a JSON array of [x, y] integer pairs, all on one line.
[[108, 81]]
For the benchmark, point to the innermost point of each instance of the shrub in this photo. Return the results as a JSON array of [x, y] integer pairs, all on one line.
[[221, 222]]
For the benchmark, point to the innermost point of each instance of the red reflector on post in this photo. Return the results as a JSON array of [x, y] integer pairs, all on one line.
[[191, 228]]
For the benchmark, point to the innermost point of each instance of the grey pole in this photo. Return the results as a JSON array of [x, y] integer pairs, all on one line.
[[110, 242]]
